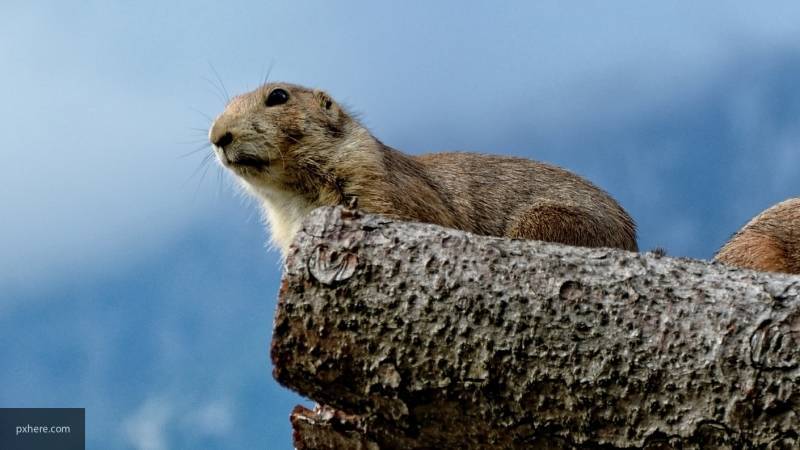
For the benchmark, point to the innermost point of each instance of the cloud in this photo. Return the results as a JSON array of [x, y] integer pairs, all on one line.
[[151, 424], [212, 419], [146, 427]]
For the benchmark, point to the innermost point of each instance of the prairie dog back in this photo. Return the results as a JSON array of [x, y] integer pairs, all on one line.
[[770, 242]]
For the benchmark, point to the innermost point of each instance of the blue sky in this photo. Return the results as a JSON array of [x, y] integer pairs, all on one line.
[[145, 293]]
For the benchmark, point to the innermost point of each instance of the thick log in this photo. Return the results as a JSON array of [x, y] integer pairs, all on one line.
[[436, 338]]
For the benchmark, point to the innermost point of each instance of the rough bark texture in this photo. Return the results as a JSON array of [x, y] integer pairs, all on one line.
[[428, 337]]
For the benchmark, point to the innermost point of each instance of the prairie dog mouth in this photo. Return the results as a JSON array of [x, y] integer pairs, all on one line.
[[249, 161], [240, 160]]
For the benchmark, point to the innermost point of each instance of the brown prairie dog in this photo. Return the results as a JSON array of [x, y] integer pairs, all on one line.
[[296, 149], [770, 242]]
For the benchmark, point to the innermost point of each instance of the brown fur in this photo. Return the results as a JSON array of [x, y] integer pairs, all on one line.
[[770, 242], [316, 154]]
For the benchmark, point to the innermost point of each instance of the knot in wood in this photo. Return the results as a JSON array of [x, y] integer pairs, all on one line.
[[775, 345], [570, 291], [330, 266]]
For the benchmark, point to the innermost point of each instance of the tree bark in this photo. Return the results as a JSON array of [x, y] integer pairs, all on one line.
[[427, 337]]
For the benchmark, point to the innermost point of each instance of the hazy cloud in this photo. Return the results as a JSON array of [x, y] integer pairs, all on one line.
[[146, 427]]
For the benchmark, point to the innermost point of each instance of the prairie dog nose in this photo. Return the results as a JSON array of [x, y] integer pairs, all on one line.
[[224, 140], [220, 136]]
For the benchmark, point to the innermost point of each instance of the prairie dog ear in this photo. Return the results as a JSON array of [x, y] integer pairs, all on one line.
[[329, 107], [325, 102]]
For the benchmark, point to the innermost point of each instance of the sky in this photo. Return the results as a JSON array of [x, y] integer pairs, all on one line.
[[135, 281]]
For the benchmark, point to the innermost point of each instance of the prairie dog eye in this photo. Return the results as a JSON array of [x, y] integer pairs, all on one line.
[[277, 97]]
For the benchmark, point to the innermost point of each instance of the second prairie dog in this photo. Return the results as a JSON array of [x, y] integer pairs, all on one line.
[[770, 242], [296, 149]]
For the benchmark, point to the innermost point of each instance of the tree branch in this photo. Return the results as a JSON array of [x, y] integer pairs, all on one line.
[[428, 337]]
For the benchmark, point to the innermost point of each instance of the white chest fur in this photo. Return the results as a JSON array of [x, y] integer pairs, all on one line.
[[284, 211]]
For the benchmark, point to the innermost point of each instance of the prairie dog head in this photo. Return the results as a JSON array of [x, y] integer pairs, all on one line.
[[279, 135]]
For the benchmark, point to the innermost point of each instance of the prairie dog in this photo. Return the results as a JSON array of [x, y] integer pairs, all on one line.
[[296, 149], [770, 242]]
